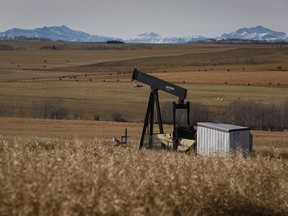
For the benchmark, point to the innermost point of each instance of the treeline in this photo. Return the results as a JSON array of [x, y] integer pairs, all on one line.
[[198, 113], [257, 116], [5, 47], [95, 46], [56, 108]]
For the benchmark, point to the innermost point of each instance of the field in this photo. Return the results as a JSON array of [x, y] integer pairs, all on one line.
[[70, 166], [88, 79], [60, 167]]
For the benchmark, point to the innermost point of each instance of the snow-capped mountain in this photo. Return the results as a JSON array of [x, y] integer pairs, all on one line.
[[54, 33], [258, 33], [152, 37], [63, 33]]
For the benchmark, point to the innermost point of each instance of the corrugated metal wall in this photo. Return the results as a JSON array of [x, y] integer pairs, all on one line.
[[212, 141]]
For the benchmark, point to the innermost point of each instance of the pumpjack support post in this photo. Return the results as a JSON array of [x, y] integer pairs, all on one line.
[[149, 118]]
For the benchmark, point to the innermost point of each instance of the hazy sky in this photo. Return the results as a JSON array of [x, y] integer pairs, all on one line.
[[128, 18]]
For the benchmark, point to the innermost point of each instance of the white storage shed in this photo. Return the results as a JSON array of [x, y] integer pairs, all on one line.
[[219, 138]]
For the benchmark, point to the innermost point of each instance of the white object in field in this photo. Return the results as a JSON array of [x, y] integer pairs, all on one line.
[[219, 138], [184, 144]]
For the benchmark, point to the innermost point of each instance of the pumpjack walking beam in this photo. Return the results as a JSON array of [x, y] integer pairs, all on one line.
[[158, 84]]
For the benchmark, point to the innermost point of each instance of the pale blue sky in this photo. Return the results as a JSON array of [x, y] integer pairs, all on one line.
[[128, 18]]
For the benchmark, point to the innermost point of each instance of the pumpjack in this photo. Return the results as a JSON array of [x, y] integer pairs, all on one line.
[[182, 138]]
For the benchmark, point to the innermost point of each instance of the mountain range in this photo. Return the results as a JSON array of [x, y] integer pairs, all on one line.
[[63, 33], [258, 33]]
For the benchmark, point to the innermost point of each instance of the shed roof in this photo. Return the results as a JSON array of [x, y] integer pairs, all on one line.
[[222, 126]]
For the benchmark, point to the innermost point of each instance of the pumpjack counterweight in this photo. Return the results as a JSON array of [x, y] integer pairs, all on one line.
[[156, 84]]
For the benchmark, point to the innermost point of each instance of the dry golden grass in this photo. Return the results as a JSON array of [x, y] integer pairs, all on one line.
[[68, 129], [58, 167], [53, 176]]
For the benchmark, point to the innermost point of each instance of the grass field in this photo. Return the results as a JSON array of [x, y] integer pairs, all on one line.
[[26, 99], [71, 167], [94, 79]]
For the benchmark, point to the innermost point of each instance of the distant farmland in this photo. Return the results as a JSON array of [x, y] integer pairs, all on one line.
[[90, 78]]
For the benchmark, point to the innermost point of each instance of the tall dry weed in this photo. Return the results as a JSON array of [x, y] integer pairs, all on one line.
[[44, 176]]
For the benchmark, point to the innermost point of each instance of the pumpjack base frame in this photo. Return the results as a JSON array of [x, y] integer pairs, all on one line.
[[149, 120]]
